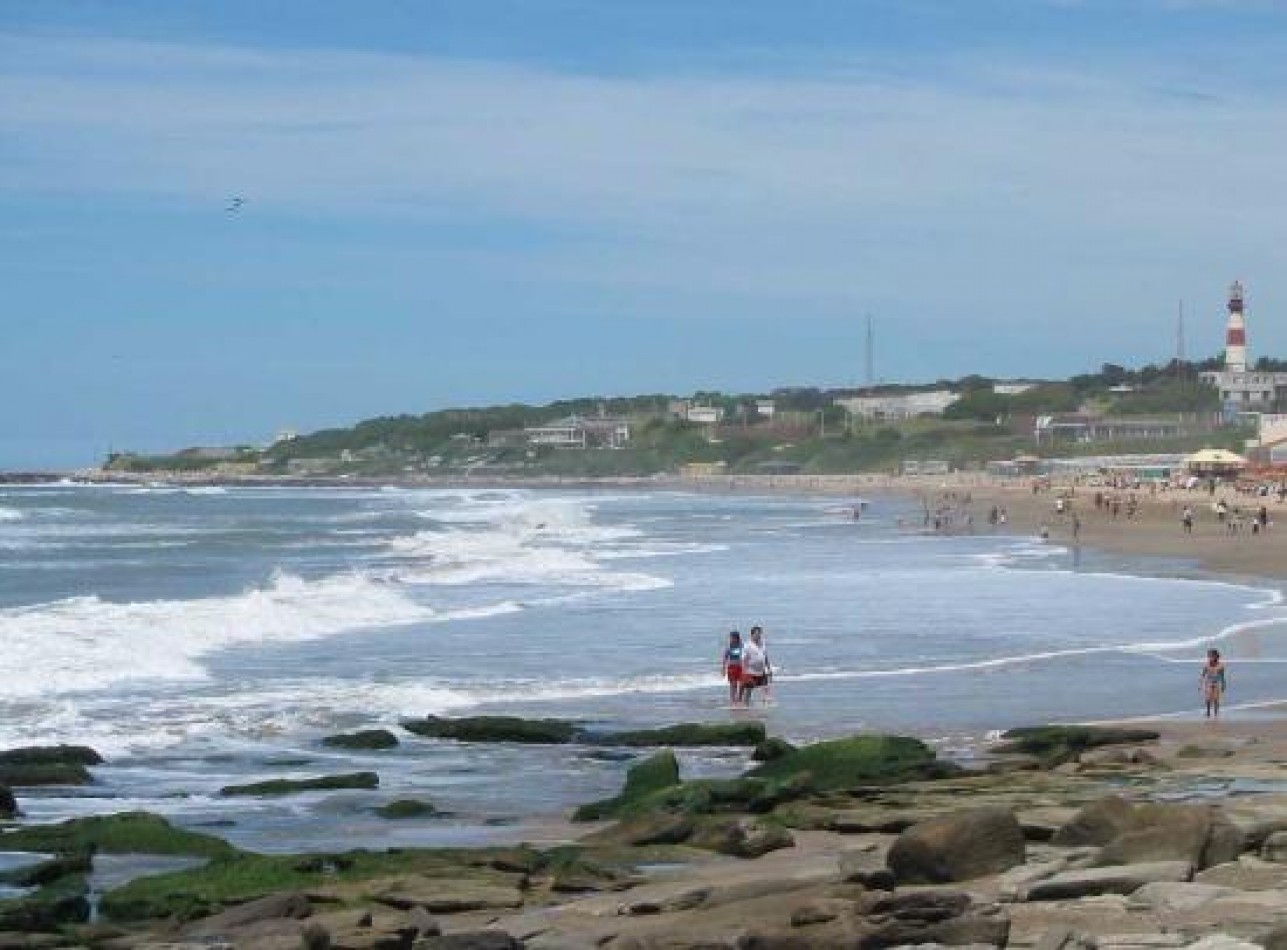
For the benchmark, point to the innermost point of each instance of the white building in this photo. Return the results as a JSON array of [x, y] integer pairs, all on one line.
[[575, 432], [902, 406], [1011, 389], [704, 415]]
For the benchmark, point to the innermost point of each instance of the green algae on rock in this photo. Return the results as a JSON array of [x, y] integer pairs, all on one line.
[[290, 786], [494, 729]]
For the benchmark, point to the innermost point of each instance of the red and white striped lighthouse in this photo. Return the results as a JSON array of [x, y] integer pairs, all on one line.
[[1235, 339]]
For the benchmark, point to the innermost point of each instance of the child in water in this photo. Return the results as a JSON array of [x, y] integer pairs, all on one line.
[[1213, 682], [732, 666]]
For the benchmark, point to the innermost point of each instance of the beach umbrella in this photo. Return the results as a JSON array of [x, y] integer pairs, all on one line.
[[1214, 460]]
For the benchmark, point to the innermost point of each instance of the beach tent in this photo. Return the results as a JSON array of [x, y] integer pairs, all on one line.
[[1215, 462]]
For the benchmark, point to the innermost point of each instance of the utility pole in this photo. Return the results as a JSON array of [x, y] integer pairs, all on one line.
[[1179, 342]]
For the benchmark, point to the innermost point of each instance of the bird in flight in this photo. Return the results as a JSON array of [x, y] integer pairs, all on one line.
[[234, 204]]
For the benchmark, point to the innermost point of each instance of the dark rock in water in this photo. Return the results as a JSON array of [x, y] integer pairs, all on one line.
[[1056, 743], [364, 739], [35, 774], [8, 804], [609, 755], [860, 760], [958, 847], [406, 808], [772, 749], [289, 786], [494, 729], [689, 735], [51, 755], [125, 833], [653, 774], [47, 872]]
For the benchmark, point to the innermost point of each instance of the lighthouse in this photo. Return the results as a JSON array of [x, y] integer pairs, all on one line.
[[1235, 338]]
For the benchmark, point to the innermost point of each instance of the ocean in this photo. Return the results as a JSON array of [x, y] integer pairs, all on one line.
[[204, 636]]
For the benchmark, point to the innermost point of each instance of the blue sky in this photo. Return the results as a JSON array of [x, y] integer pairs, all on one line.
[[470, 202]]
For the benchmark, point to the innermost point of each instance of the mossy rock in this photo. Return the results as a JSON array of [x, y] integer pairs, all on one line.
[[36, 774], [404, 808], [690, 735], [49, 909], [1061, 742], [494, 729], [858, 760], [198, 892], [653, 774], [362, 740], [51, 755], [741, 838], [125, 833], [771, 749], [8, 804], [291, 786], [76, 863]]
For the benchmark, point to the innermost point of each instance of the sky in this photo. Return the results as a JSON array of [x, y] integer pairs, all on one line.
[[463, 202]]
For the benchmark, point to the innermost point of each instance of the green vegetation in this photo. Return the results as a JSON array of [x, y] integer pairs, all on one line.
[[643, 779], [125, 833], [806, 432], [1067, 741], [290, 786], [860, 760]]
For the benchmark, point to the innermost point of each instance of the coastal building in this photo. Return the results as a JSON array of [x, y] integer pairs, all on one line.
[[704, 415], [1080, 427], [767, 408], [1241, 388], [578, 432], [1011, 389], [899, 406]]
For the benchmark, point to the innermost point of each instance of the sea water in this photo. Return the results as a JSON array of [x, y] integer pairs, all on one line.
[[206, 636]]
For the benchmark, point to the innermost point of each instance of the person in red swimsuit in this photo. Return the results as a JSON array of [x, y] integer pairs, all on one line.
[[732, 666]]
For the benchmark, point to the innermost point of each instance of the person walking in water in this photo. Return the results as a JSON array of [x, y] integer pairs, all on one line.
[[1213, 682], [732, 667], [755, 666]]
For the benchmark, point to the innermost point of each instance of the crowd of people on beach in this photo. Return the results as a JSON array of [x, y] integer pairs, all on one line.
[[746, 667]]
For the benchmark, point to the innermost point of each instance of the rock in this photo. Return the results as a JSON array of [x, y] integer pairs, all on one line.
[[38, 774], [1088, 882], [1161, 832], [8, 804], [1275, 938], [448, 895], [690, 734], [920, 905], [856, 761], [820, 911], [668, 904], [403, 808], [476, 940], [1275, 848], [363, 739], [47, 872], [425, 924], [1065, 938], [315, 937], [653, 774], [1097, 823], [288, 905], [772, 748], [48, 909], [741, 838], [958, 847], [494, 729], [1171, 897], [51, 755], [290, 786], [1222, 942], [646, 830], [124, 833], [1055, 743], [925, 917]]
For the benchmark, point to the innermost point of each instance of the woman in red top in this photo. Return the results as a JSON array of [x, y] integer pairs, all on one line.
[[732, 666]]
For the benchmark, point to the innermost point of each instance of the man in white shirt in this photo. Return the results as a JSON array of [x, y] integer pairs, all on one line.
[[755, 665]]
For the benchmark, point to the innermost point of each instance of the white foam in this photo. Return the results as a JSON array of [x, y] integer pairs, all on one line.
[[11, 514]]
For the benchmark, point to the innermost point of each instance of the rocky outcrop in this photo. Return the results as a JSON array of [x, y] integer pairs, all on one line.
[[1131, 833], [8, 804], [958, 847], [494, 729], [689, 735], [291, 786], [857, 761], [365, 739], [32, 766], [404, 808], [1061, 743], [654, 774], [741, 837], [1088, 882]]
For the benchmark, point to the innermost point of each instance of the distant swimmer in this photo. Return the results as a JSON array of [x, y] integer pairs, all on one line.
[[1214, 682], [235, 204]]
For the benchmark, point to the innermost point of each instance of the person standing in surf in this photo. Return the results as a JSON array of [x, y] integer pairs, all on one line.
[[757, 671], [1213, 682], [732, 667]]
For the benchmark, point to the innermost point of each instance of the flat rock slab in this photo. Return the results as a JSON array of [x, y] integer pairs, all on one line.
[[1170, 897], [1120, 879], [447, 896]]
